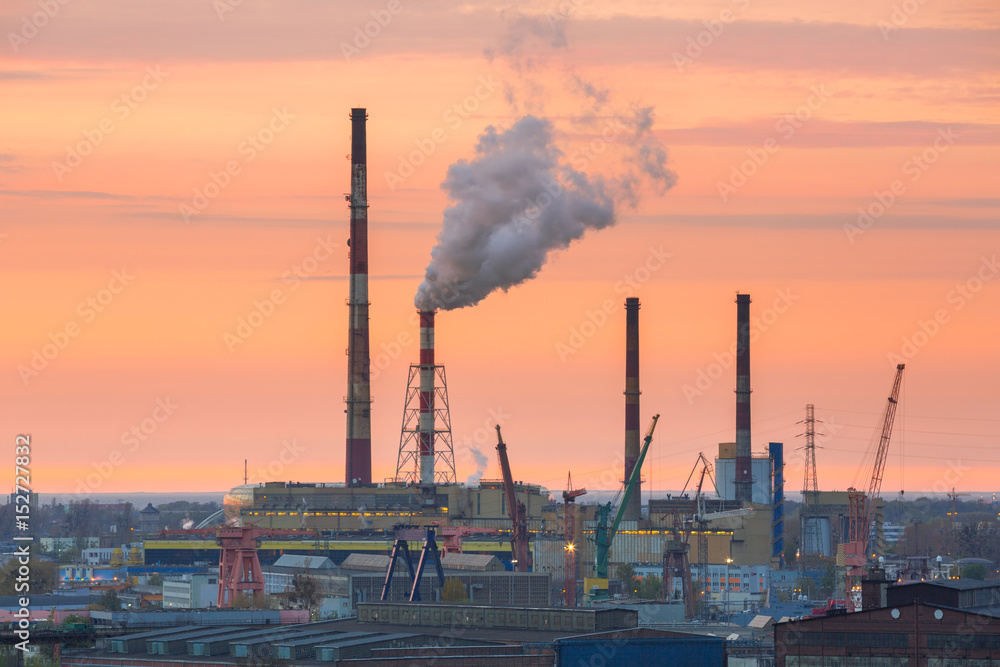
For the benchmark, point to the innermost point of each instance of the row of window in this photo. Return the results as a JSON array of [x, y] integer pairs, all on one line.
[[850, 639], [853, 661], [968, 640]]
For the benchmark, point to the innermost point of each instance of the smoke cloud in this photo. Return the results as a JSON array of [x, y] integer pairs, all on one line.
[[512, 204], [481, 462], [519, 197], [517, 200]]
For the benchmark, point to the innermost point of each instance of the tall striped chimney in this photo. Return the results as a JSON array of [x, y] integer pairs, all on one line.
[[359, 402], [426, 423], [744, 479], [633, 509]]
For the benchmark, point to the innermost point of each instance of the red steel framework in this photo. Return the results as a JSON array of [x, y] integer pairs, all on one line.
[[240, 575], [426, 451]]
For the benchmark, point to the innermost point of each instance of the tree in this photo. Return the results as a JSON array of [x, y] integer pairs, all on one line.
[[305, 592], [42, 577], [828, 582], [454, 591], [110, 600], [974, 571], [155, 580], [626, 576], [651, 587]]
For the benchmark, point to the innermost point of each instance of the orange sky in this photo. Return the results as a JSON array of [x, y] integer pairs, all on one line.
[[883, 88]]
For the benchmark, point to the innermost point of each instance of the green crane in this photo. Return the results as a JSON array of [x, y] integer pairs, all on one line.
[[604, 534]]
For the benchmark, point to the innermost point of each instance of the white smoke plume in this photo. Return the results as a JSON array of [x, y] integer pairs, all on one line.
[[519, 198], [512, 204], [481, 462]]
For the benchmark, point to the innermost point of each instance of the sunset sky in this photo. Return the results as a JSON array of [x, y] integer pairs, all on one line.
[[782, 120]]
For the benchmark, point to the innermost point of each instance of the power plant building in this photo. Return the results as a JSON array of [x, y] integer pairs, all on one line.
[[725, 475]]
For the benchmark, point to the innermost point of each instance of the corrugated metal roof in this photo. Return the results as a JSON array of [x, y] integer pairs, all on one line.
[[481, 562], [306, 562], [371, 562]]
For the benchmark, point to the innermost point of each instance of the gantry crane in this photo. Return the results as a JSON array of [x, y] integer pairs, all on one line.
[[519, 551], [862, 506], [569, 500], [698, 523], [604, 534]]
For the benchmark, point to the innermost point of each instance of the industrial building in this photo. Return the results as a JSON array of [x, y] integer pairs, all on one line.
[[418, 634], [917, 634], [824, 519]]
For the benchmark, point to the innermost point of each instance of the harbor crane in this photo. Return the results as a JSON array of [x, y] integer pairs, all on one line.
[[519, 551], [862, 506], [604, 533]]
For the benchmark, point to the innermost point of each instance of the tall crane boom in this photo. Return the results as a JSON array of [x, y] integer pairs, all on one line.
[[866, 511], [605, 534], [520, 553], [862, 507]]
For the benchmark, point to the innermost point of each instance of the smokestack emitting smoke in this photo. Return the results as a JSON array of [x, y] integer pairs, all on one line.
[[359, 422], [744, 480], [427, 397], [634, 507]]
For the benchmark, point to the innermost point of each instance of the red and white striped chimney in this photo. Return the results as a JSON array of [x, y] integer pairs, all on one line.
[[744, 478], [632, 438], [426, 424], [359, 402]]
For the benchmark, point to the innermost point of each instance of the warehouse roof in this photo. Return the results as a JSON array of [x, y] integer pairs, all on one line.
[[372, 562], [295, 561]]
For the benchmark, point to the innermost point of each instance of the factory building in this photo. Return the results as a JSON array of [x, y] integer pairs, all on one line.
[[380, 507], [823, 523], [914, 634], [725, 475]]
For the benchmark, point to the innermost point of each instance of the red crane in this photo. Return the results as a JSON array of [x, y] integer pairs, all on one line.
[[569, 498], [862, 506], [520, 554], [239, 568]]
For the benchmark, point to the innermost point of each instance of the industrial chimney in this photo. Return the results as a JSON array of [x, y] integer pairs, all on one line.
[[426, 397], [633, 509], [359, 420], [426, 454], [744, 479]]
